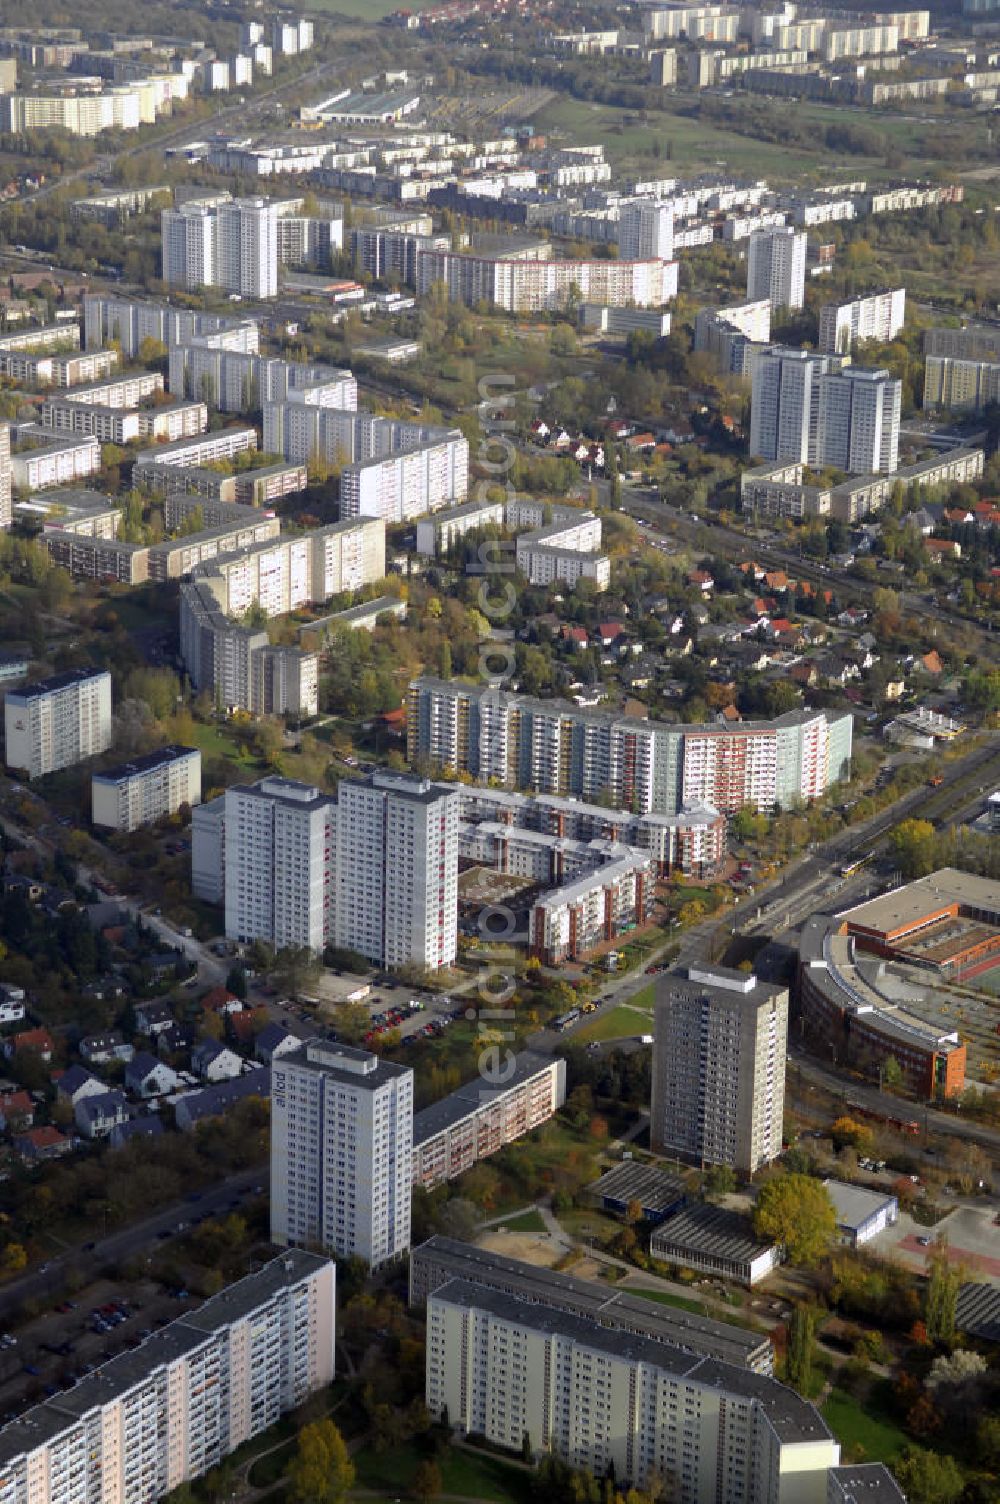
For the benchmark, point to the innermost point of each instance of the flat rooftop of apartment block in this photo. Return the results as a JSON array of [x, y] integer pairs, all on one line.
[[358, 1068], [618, 1309], [867, 1483], [723, 984], [55, 682], [145, 764], [469, 1098], [794, 1419], [43, 1422]]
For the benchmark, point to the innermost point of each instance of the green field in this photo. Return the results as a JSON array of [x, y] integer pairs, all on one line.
[[856, 1426], [683, 142], [688, 142], [462, 1472], [668, 1298], [629, 1018], [364, 10]]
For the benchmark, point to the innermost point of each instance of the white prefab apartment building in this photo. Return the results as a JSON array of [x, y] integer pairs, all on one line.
[[279, 836], [391, 469], [646, 230], [515, 1094], [232, 245], [567, 550], [239, 665], [6, 479], [237, 380], [776, 267], [858, 421], [341, 1152], [555, 747], [879, 316], [719, 1068], [165, 1413], [53, 458], [281, 574], [374, 870], [407, 485], [397, 870], [138, 792], [507, 1369], [57, 722], [530, 285], [238, 244], [128, 321], [813, 409]]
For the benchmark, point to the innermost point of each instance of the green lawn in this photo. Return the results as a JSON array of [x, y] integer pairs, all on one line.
[[462, 1472], [856, 1426], [270, 1469], [668, 1298], [210, 737], [530, 1221], [684, 141], [627, 1019]]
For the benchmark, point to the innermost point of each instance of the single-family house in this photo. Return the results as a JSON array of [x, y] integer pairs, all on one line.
[[804, 674], [145, 1076], [152, 1017], [12, 1005], [198, 1106], [97, 1116], [124, 1133], [942, 548], [176, 1040], [31, 1041], [74, 1084], [17, 1111], [215, 1062], [576, 637], [39, 1144], [240, 1027], [274, 1041], [164, 964], [924, 520], [610, 633], [220, 1000], [838, 669], [101, 1049]]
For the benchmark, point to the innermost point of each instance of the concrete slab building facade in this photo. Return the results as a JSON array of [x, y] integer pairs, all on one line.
[[719, 1068]]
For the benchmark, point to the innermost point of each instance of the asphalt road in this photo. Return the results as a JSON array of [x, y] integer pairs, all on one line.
[[949, 1124], [46, 1282], [811, 884]]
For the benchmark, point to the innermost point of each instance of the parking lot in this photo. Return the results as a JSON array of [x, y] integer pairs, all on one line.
[[412, 1017], [58, 1349], [973, 1240]]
